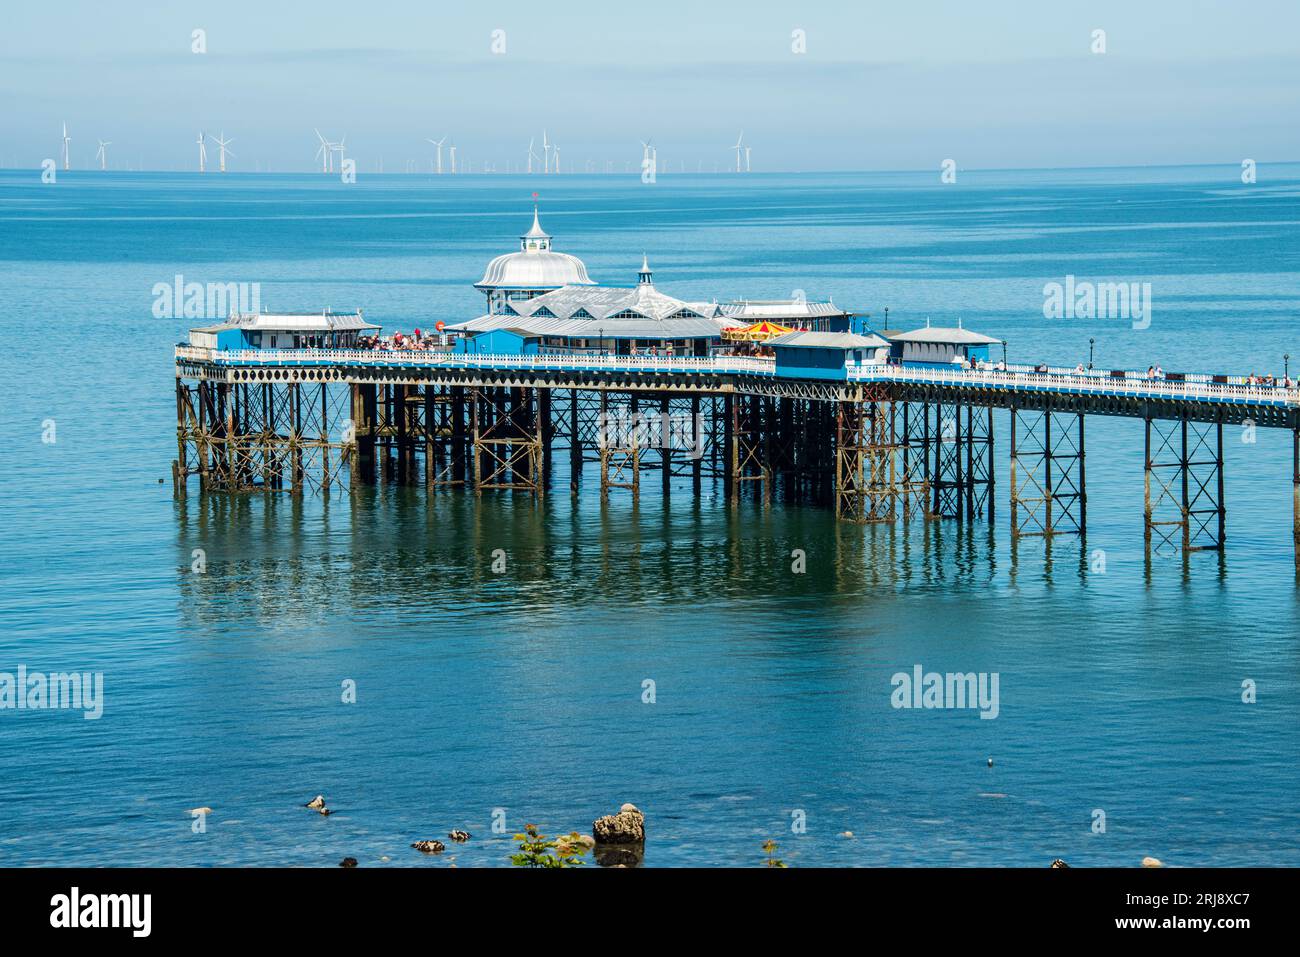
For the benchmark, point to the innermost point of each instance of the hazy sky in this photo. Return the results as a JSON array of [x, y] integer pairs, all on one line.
[[1002, 83]]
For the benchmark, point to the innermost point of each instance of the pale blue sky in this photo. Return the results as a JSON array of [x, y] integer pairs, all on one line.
[[882, 86]]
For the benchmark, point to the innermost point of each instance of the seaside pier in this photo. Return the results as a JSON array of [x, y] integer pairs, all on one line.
[[880, 442], [774, 400]]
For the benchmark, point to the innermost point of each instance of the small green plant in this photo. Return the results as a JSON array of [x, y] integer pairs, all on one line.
[[536, 850], [772, 860]]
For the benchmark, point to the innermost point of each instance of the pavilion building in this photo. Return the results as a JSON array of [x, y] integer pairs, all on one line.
[[534, 270]]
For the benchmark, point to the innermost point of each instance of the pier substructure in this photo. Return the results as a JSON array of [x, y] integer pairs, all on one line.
[[1048, 479], [872, 481], [953, 442], [507, 440], [619, 443], [749, 448], [1184, 484], [240, 437]]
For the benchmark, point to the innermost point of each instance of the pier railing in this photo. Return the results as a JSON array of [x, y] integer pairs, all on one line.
[[1096, 383]]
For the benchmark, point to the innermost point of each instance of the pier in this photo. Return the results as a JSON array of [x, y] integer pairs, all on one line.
[[878, 441]]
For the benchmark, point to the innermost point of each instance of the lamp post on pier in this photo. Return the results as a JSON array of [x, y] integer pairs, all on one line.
[[1091, 341]]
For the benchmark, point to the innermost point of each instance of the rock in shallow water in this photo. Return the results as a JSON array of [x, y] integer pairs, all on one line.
[[430, 847], [348, 862], [316, 803], [1151, 862], [460, 837], [625, 827]]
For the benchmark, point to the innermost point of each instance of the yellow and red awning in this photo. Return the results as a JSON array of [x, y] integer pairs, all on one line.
[[758, 332]]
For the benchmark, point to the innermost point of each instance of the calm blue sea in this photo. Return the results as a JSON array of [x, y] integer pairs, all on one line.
[[1119, 692]]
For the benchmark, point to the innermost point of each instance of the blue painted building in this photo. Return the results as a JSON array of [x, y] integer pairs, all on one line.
[[285, 330], [939, 346], [825, 355], [501, 342]]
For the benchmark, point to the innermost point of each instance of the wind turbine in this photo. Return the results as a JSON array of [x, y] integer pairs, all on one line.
[[737, 149], [556, 147], [438, 143], [546, 150], [649, 154], [453, 158], [203, 154], [223, 144], [66, 140], [339, 148], [326, 153], [532, 154], [102, 155], [746, 159]]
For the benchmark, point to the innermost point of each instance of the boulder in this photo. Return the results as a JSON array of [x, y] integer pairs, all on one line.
[[1151, 862], [460, 837], [625, 827], [348, 862], [316, 803], [429, 847], [1058, 864]]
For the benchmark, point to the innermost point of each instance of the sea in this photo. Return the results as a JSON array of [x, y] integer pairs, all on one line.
[[666, 652]]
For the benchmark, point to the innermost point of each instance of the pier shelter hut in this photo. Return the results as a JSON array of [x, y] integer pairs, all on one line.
[[501, 342], [825, 355], [285, 330], [939, 346]]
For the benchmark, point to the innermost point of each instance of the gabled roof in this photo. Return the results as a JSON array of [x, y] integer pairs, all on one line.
[[753, 310], [828, 340], [293, 322], [958, 336], [604, 302]]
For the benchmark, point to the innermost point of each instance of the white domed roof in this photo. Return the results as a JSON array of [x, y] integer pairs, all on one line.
[[534, 269], [535, 266]]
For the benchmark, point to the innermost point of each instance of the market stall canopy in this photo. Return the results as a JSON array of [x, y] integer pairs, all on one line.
[[758, 332]]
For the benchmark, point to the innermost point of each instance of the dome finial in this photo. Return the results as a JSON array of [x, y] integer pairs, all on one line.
[[536, 238], [644, 275]]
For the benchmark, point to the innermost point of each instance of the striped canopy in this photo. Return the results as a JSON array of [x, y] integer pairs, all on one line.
[[758, 332]]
